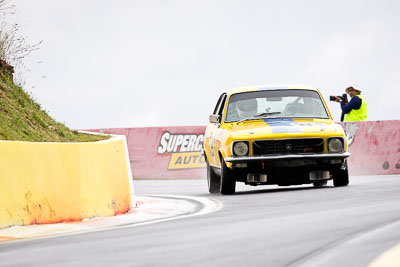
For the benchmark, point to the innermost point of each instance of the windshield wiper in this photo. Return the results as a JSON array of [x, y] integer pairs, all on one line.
[[257, 116]]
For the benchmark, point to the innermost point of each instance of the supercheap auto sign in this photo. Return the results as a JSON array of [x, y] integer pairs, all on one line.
[[167, 152], [185, 150]]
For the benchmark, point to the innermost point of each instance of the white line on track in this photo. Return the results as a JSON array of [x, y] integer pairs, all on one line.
[[388, 258], [323, 255]]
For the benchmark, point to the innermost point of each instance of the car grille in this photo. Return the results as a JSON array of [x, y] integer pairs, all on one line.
[[288, 146]]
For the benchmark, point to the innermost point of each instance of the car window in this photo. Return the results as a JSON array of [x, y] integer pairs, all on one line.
[[276, 104], [219, 108]]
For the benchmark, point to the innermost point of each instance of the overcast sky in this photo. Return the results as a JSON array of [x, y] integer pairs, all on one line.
[[165, 62]]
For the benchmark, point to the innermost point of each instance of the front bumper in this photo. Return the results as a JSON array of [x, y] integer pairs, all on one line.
[[287, 157], [293, 169]]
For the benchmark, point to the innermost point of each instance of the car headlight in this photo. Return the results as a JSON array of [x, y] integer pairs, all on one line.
[[335, 145], [240, 148]]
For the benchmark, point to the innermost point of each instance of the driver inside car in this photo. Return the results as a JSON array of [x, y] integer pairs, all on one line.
[[246, 108]]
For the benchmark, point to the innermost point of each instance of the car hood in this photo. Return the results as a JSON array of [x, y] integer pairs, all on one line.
[[279, 127]]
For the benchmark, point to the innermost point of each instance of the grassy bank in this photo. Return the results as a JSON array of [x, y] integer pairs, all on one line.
[[22, 119]]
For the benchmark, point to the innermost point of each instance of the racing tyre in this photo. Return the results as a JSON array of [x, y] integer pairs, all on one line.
[[214, 181], [341, 176], [228, 183], [321, 183]]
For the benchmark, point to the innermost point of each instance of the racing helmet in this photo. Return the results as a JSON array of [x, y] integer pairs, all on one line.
[[246, 108]]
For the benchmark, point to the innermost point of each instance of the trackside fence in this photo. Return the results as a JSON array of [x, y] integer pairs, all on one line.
[[175, 152]]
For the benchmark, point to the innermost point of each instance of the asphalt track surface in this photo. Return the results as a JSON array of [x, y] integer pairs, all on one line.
[[258, 226]]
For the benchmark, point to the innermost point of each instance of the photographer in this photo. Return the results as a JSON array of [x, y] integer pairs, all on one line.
[[356, 109]]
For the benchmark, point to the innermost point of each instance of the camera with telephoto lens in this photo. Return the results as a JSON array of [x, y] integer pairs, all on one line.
[[343, 97]]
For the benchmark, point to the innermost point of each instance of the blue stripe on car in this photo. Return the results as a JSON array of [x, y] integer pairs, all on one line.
[[283, 125]]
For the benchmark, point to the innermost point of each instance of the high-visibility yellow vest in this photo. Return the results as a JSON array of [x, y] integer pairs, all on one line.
[[358, 114]]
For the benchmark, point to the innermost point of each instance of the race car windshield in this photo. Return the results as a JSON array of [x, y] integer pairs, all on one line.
[[275, 104]]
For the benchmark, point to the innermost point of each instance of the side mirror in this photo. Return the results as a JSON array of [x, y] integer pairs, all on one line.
[[215, 118]]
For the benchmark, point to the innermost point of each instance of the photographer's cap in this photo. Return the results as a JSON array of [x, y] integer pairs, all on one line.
[[354, 86]]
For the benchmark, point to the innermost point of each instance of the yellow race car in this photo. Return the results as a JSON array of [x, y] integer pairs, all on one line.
[[280, 135]]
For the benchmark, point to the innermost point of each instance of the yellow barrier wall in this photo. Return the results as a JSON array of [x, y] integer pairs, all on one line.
[[55, 182]]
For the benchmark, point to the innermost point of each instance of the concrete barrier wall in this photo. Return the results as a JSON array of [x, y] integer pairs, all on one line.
[[374, 145], [55, 182]]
